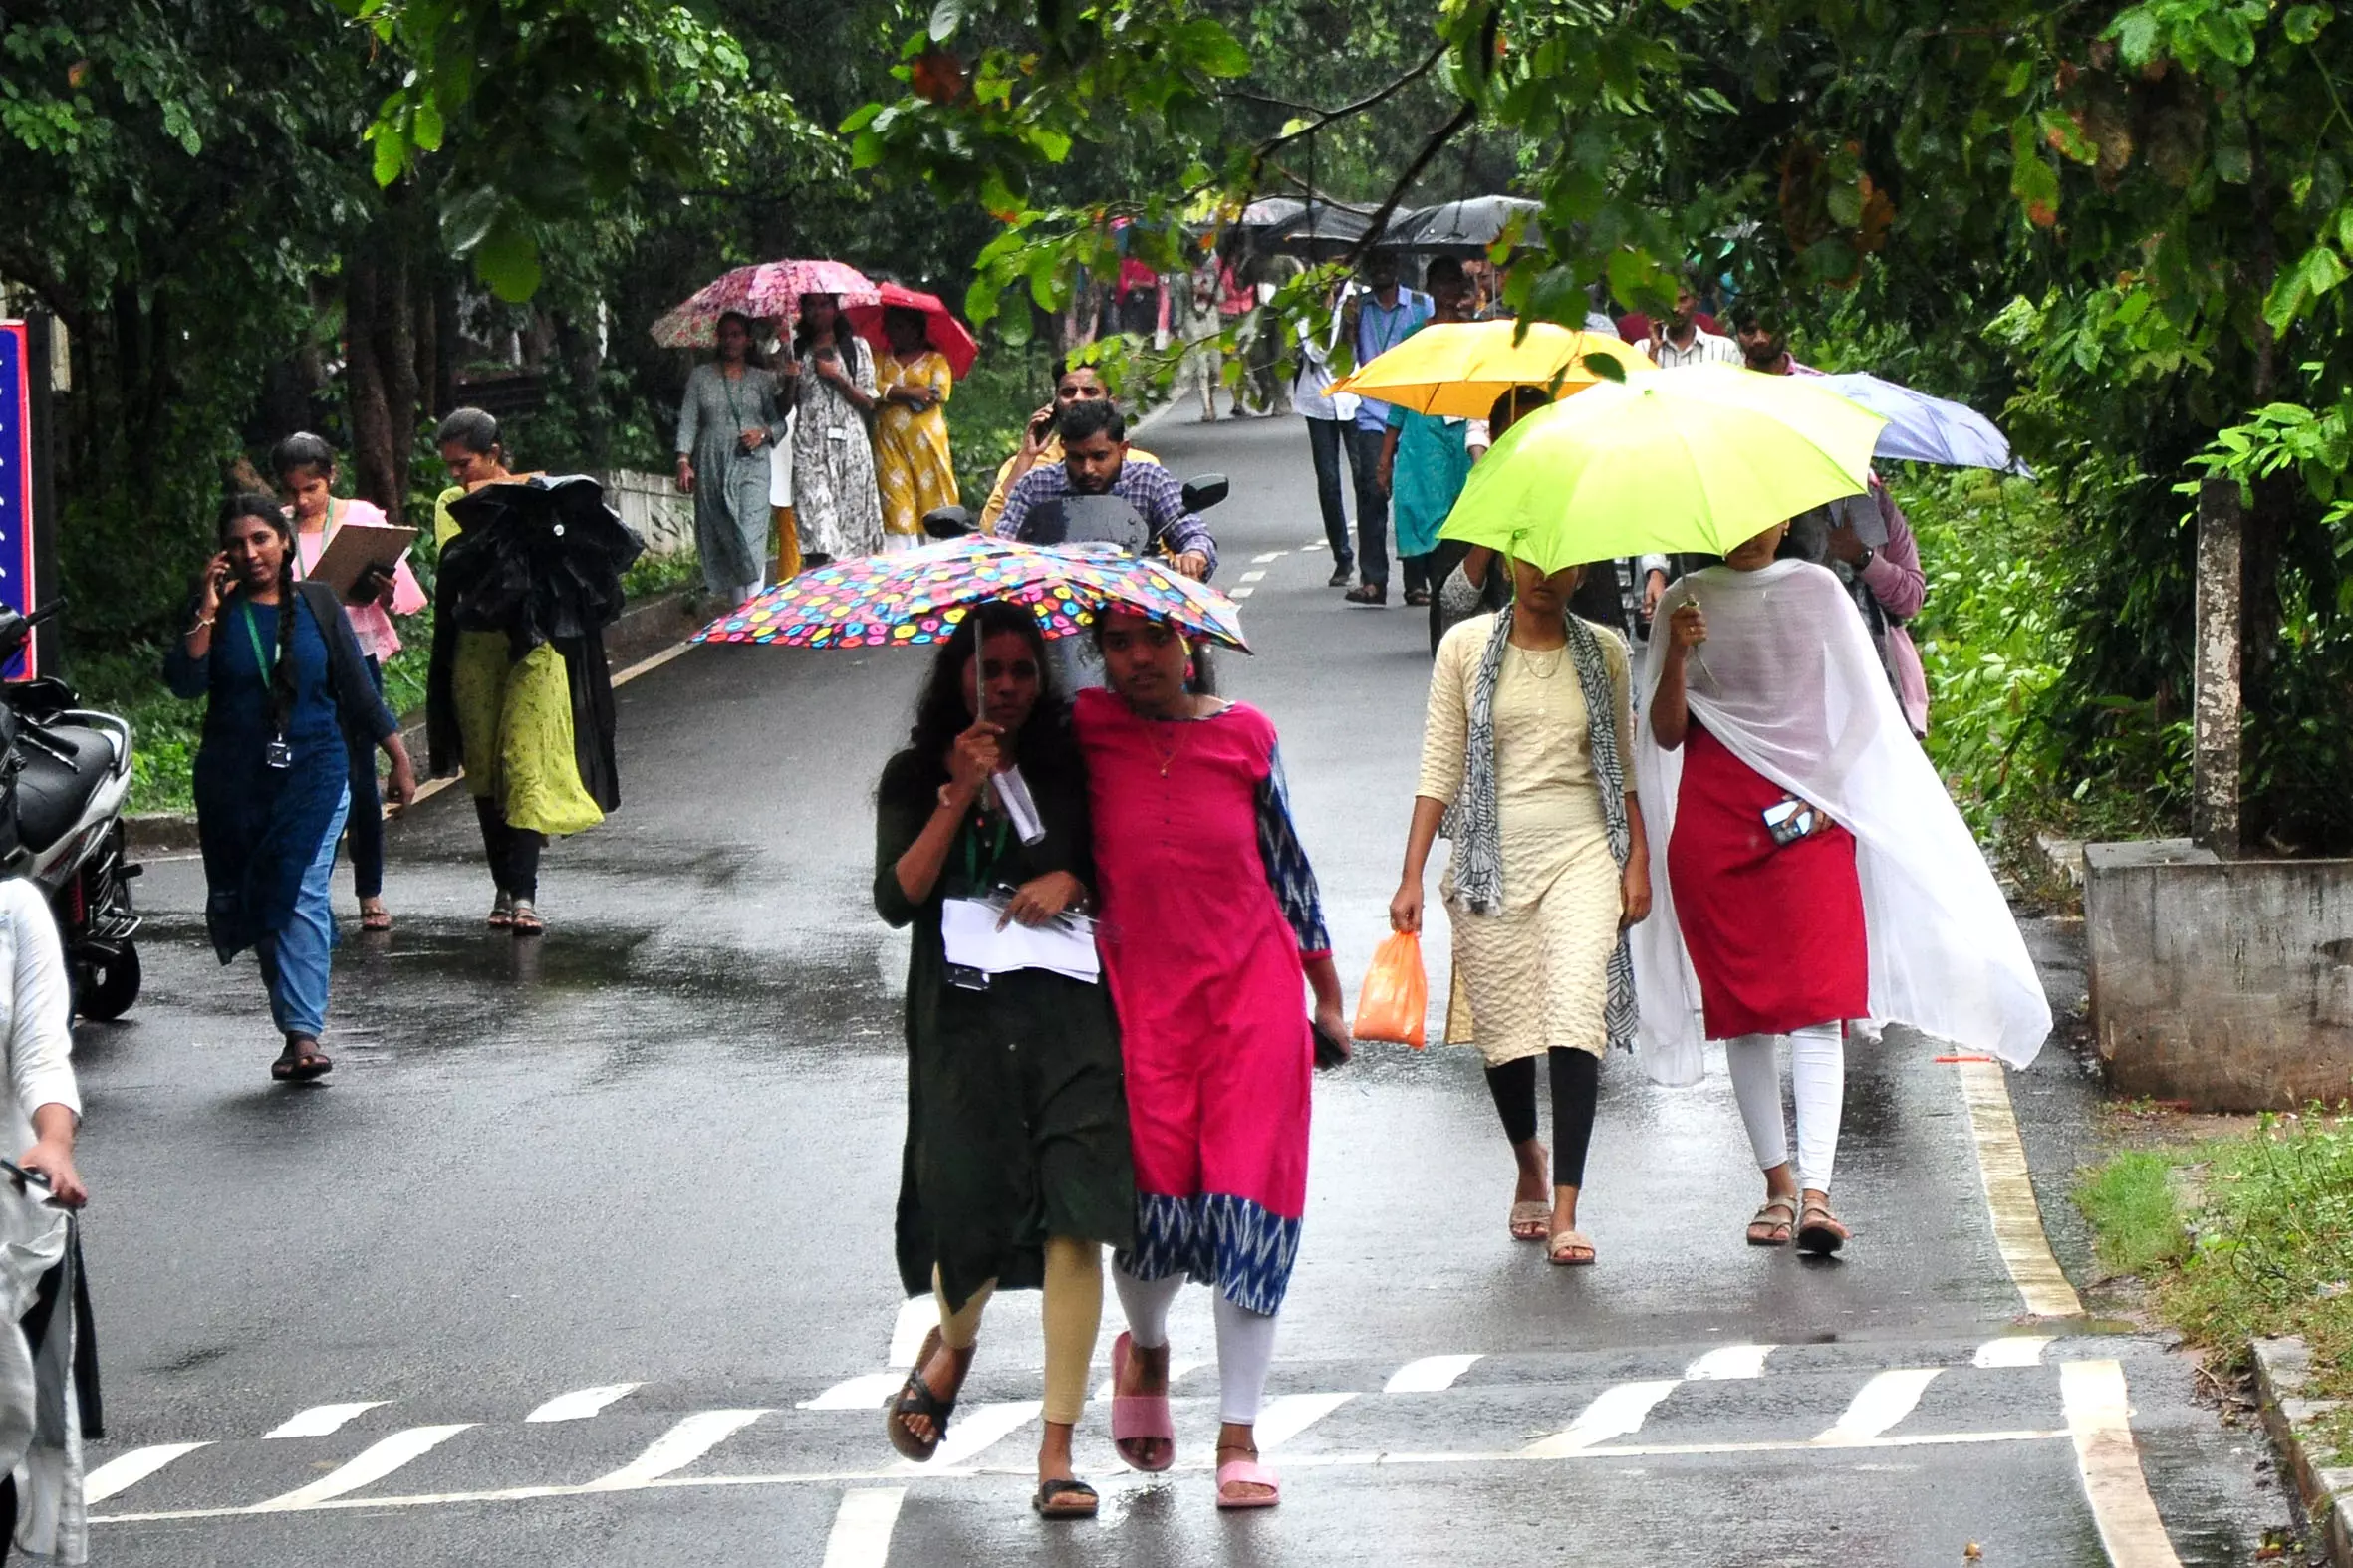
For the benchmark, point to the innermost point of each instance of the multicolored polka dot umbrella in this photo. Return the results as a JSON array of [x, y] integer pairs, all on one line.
[[918, 597]]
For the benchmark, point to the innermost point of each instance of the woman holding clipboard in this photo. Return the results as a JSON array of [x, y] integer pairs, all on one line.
[[305, 466]]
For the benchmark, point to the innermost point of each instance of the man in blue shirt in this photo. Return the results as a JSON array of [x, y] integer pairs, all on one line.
[[1378, 319]]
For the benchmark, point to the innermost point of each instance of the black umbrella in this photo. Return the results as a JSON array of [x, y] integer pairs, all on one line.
[[1321, 229], [1461, 228], [537, 558]]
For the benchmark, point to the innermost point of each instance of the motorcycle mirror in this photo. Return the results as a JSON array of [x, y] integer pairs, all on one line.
[[948, 522], [1205, 492]]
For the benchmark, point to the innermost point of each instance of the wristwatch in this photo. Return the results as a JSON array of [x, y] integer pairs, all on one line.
[[1869, 555]]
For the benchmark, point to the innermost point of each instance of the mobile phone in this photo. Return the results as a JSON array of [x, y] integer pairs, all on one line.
[[1790, 819]]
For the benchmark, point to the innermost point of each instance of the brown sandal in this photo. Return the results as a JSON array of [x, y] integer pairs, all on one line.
[[1565, 1247], [1531, 1222], [1776, 1230], [1820, 1232]]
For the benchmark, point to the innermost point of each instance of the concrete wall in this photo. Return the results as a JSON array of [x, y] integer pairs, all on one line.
[[2227, 984], [651, 504]]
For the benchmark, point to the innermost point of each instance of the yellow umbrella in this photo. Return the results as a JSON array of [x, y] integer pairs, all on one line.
[[1462, 368]]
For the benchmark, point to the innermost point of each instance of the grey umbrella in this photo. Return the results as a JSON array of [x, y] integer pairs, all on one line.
[[1461, 228]]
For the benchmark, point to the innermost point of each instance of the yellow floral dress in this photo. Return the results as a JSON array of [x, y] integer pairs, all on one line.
[[912, 466], [515, 721]]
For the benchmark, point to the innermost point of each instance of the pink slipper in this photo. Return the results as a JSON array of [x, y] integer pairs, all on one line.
[[1247, 1472], [1137, 1416]]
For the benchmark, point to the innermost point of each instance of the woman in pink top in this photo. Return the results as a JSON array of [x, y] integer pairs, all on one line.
[[305, 466]]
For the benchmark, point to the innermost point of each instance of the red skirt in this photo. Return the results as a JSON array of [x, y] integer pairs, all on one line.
[[1775, 932]]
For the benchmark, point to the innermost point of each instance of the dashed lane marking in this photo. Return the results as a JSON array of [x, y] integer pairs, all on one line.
[[982, 1427], [131, 1468], [2013, 1350], [677, 1447], [581, 1404], [1615, 1413], [2009, 1193], [1297, 1461], [321, 1420], [2110, 1462], [866, 1392], [1730, 1361], [1271, 554], [861, 1535], [1886, 1399], [1241, 593], [1254, 577], [372, 1465], [1429, 1375], [1286, 1417]]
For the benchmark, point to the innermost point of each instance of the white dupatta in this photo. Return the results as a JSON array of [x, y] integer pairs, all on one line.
[[1788, 680]]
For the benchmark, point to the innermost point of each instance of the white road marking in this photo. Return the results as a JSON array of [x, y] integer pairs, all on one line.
[[1316, 544], [677, 1447], [1617, 1413], [649, 666], [860, 1537], [1730, 1361], [321, 1420], [1484, 1461], [1886, 1399], [1241, 593], [1271, 554], [1429, 1375], [1177, 1371], [127, 1470], [982, 1427], [581, 1404], [917, 1316], [2010, 1194], [372, 1465], [869, 1391], [1254, 577], [2098, 1418], [2013, 1350], [1286, 1417]]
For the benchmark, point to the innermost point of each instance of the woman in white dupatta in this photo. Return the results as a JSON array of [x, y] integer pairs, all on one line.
[[1793, 798]]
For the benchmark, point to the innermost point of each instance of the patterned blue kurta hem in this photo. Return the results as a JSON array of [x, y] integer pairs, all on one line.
[[1215, 1239]]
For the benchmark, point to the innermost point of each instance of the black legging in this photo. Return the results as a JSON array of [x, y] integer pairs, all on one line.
[[513, 852], [1576, 1085]]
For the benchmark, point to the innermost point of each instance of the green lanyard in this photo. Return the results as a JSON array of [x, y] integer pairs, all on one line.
[[269, 666], [972, 854]]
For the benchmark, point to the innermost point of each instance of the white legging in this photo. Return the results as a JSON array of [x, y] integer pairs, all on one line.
[[1245, 1340], [1817, 1081]]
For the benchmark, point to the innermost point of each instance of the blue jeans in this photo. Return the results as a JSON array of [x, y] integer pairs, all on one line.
[[1323, 439], [295, 961], [1372, 506]]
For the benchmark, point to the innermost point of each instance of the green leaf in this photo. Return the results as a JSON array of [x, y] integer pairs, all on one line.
[[508, 259], [392, 154], [2302, 23], [424, 130], [2135, 32], [946, 16], [2234, 164]]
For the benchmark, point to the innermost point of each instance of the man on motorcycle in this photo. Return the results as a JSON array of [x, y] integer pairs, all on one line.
[[1095, 462], [1040, 447]]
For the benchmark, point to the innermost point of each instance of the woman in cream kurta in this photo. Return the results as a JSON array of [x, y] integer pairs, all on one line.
[[1536, 972]]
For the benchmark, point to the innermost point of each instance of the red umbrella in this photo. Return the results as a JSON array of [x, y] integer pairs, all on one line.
[[941, 326], [769, 291]]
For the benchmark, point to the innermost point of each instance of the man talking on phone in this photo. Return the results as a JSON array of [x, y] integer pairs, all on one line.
[[1042, 444]]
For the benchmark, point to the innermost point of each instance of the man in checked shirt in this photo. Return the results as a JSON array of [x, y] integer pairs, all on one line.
[[1095, 462]]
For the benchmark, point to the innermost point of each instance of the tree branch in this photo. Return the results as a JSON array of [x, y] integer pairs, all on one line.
[[1370, 101]]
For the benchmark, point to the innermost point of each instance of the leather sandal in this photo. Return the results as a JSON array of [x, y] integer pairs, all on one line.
[[1820, 1232], [915, 1397], [1368, 594], [1774, 1219], [1066, 1499]]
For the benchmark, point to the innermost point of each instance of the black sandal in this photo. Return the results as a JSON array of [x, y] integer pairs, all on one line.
[[1066, 1499], [300, 1064], [915, 1398]]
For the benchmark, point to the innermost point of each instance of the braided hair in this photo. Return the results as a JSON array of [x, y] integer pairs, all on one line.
[[238, 508]]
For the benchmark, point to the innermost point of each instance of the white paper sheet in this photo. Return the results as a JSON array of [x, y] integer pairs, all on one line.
[[1064, 947]]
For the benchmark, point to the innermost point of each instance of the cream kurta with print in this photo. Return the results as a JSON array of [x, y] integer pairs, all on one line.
[[1535, 974]]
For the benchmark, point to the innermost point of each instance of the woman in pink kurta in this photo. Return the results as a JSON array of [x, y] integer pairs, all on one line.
[[1208, 925]]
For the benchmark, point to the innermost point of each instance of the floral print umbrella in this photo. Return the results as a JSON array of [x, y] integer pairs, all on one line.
[[769, 291], [918, 597]]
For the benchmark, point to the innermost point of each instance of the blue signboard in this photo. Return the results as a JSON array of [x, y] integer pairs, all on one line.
[[16, 474]]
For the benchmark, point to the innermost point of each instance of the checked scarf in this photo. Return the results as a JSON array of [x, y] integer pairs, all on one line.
[[1473, 821]]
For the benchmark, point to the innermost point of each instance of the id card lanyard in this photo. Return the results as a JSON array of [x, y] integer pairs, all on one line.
[[278, 754]]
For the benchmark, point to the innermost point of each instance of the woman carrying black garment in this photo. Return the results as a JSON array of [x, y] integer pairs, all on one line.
[[1017, 1169]]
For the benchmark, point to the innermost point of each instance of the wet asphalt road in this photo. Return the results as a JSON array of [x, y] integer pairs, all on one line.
[[660, 1148]]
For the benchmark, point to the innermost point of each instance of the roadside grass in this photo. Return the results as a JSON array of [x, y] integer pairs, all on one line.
[[2243, 1235]]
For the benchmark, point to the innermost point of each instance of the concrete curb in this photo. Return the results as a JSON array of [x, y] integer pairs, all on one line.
[[2283, 1372], [663, 620]]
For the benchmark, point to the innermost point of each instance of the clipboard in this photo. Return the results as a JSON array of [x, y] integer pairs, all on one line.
[[355, 548]]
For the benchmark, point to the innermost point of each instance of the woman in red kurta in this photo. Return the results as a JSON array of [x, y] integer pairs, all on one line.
[[1772, 920], [1208, 924]]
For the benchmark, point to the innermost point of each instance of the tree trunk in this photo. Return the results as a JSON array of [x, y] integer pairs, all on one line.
[[380, 370]]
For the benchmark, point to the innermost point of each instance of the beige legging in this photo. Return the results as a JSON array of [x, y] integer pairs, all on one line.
[[1073, 1313]]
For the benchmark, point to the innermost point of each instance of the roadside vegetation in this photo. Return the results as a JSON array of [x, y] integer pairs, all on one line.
[[2239, 1237]]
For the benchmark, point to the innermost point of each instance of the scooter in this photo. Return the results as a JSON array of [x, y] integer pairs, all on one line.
[[1082, 519], [65, 773]]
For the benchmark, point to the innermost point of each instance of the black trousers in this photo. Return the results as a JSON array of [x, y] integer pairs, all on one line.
[[1576, 1087], [513, 852], [363, 828], [1324, 439]]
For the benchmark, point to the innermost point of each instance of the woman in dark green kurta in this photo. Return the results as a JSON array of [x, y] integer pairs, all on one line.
[[1017, 1170]]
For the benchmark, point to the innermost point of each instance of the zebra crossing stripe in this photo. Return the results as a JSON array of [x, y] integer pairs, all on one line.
[[2013, 1350], [321, 1420], [1886, 1399], [1617, 1412], [983, 1426], [127, 1470], [866, 1391], [1429, 1375], [1730, 1361], [368, 1467], [2109, 1460], [677, 1447], [581, 1404], [1288, 1416], [862, 1529]]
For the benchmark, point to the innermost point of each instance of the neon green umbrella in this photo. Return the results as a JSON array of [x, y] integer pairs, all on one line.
[[1688, 459]]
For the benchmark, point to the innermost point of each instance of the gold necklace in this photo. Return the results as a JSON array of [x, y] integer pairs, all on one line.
[[1527, 657], [1168, 753]]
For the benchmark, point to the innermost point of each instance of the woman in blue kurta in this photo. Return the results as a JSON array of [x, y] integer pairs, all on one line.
[[282, 672]]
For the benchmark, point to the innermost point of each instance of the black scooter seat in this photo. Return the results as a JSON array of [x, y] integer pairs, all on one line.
[[51, 792]]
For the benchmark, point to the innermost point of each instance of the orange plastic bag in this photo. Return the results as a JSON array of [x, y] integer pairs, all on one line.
[[1395, 998]]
